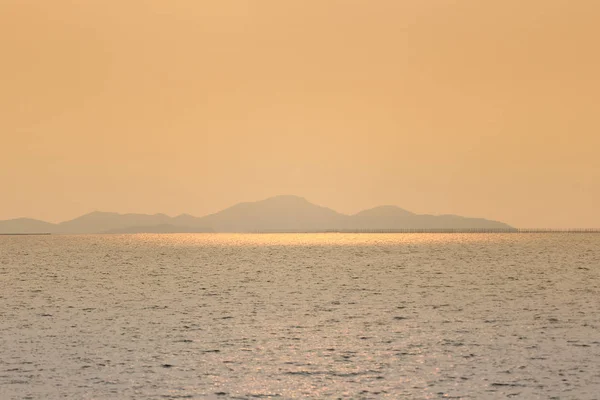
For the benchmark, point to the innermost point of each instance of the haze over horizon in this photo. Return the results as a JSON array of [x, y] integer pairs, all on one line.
[[483, 109]]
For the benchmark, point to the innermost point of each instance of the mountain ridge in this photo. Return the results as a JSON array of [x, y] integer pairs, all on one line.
[[278, 213]]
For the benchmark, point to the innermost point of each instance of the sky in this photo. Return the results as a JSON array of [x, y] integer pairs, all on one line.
[[478, 108]]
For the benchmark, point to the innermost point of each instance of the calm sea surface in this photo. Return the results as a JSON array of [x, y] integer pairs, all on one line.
[[414, 316]]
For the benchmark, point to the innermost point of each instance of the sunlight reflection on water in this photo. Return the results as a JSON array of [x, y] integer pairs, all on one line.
[[316, 239]]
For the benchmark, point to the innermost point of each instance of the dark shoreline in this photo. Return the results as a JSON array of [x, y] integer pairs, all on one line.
[[367, 231], [25, 234], [435, 231]]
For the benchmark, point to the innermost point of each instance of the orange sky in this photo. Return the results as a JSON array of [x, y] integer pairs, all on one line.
[[469, 107]]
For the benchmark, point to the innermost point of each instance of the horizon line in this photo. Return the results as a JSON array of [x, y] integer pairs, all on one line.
[[342, 231]]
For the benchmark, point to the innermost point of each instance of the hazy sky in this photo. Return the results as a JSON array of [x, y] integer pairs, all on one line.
[[471, 107]]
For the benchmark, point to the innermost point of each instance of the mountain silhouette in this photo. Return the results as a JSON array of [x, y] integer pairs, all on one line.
[[97, 222], [163, 228], [279, 214], [26, 225], [383, 212]]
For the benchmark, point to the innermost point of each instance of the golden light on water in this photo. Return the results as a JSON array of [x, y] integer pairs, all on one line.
[[312, 239]]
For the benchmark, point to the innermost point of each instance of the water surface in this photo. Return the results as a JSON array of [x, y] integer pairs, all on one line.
[[300, 316]]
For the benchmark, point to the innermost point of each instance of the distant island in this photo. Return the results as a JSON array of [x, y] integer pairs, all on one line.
[[275, 214]]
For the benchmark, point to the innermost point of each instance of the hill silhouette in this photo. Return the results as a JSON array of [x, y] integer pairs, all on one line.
[[26, 225], [97, 222], [163, 228], [282, 213], [279, 213]]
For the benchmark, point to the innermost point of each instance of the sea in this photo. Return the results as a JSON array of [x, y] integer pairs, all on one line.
[[300, 316]]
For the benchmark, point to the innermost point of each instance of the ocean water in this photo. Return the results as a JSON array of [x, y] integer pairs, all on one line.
[[217, 316]]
